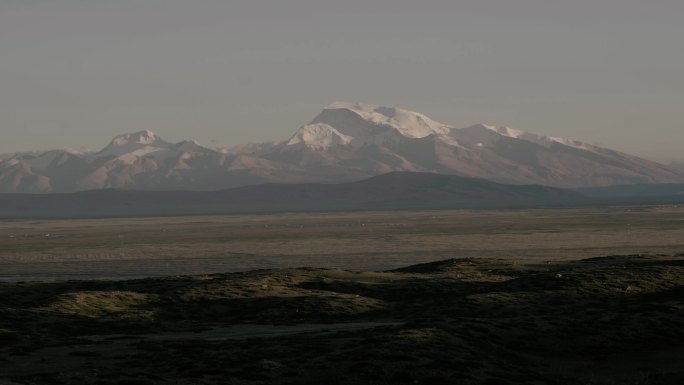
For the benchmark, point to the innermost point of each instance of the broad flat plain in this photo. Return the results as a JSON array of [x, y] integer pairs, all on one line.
[[516, 297], [118, 248]]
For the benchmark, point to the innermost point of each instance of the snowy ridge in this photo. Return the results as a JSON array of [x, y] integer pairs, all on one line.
[[141, 137], [546, 141], [357, 124], [144, 142], [191, 146], [345, 142], [318, 136], [409, 123], [132, 156]]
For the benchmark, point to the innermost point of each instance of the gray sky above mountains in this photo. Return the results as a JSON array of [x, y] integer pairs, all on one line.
[[78, 72]]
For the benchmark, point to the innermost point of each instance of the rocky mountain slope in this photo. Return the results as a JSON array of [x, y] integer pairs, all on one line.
[[345, 142]]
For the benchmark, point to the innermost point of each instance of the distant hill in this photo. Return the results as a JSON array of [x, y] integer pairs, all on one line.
[[345, 142], [636, 191], [397, 190]]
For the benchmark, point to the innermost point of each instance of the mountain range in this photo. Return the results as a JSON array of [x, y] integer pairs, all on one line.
[[345, 142]]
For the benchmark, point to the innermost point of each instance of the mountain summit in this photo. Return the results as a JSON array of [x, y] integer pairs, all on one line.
[[141, 137], [364, 139], [357, 124], [345, 142], [130, 143]]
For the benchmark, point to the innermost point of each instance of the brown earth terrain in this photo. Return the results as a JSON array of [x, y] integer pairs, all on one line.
[[142, 247]]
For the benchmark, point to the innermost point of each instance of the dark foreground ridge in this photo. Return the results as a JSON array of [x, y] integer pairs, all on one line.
[[608, 320]]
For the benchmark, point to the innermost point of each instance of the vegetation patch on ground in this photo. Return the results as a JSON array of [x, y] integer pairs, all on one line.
[[602, 321]]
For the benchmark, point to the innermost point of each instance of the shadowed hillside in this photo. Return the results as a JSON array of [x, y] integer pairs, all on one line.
[[398, 190]]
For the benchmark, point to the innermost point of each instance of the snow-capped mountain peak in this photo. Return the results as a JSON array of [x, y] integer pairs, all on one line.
[[134, 142], [140, 137], [505, 131], [318, 136], [359, 124], [546, 141], [191, 145], [409, 123]]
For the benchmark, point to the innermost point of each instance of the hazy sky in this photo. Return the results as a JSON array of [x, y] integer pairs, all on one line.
[[224, 72]]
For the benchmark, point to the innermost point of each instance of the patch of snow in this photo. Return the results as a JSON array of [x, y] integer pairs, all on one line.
[[128, 143], [191, 146], [572, 143], [141, 137], [546, 141], [157, 153], [478, 135], [319, 136], [409, 123]]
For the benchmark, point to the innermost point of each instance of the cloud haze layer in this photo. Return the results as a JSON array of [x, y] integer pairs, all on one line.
[[76, 72]]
